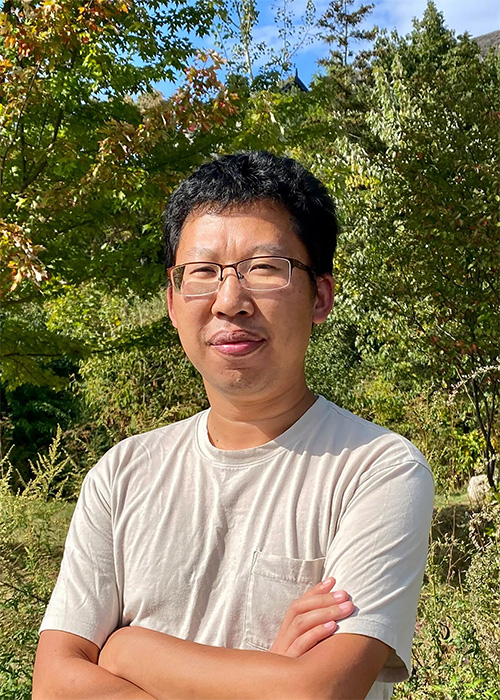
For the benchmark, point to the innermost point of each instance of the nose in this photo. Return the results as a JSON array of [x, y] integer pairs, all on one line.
[[232, 299]]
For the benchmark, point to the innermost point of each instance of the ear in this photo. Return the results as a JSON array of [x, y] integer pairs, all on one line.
[[170, 303], [324, 298]]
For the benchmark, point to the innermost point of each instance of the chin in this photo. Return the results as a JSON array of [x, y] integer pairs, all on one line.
[[239, 384]]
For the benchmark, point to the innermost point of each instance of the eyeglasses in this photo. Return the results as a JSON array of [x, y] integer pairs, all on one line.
[[264, 273]]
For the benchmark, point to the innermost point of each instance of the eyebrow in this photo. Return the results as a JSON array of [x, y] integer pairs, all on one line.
[[207, 254]]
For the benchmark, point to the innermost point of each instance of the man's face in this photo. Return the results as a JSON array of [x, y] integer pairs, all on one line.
[[243, 343]]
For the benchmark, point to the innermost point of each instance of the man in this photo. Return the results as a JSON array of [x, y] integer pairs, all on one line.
[[204, 544]]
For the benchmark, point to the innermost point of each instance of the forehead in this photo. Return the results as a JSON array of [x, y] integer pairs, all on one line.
[[262, 228]]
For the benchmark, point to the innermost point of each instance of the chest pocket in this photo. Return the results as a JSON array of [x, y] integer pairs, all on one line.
[[275, 581]]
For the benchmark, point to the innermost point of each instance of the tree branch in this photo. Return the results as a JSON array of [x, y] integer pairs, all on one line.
[[16, 130]]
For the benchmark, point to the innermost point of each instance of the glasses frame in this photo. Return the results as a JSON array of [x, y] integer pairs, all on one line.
[[291, 261]]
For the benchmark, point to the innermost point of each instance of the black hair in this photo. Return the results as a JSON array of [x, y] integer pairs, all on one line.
[[258, 176]]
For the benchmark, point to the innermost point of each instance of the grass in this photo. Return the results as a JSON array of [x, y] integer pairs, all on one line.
[[447, 500]]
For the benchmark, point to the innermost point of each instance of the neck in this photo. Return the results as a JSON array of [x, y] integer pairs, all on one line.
[[236, 423]]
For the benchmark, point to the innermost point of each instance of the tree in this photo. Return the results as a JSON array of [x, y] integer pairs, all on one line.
[[84, 168], [340, 29], [292, 34], [89, 153], [264, 64], [423, 251], [239, 19], [409, 146], [343, 91]]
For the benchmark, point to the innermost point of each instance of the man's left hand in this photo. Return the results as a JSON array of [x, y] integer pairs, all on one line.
[[311, 618]]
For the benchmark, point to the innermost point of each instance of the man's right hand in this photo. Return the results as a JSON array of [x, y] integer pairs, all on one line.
[[311, 618]]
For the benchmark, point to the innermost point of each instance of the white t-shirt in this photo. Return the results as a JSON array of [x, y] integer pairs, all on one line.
[[173, 534]]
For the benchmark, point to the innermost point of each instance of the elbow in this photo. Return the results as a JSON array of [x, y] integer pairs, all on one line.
[[40, 692], [313, 682], [46, 689], [40, 689]]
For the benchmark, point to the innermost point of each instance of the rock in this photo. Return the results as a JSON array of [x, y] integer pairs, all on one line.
[[478, 490]]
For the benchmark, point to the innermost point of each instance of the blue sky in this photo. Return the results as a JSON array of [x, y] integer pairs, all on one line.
[[474, 16]]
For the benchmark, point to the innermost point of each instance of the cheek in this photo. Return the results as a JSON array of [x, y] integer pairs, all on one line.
[[294, 322], [190, 319], [190, 341]]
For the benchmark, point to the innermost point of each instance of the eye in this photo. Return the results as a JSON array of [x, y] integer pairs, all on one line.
[[262, 267], [201, 270]]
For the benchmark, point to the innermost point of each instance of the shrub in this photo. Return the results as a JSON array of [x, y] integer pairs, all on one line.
[[33, 525], [393, 394], [147, 384], [483, 580], [452, 659]]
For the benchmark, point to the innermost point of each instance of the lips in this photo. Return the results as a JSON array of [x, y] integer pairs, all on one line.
[[236, 343]]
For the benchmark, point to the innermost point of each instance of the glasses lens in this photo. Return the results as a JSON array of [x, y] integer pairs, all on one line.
[[264, 273], [194, 279]]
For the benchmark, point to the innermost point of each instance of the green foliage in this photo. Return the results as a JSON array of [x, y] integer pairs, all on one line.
[[339, 26], [33, 525], [450, 659], [147, 385], [34, 354], [397, 396], [85, 169], [436, 263], [30, 419], [483, 581], [261, 64], [410, 149], [138, 380], [238, 19]]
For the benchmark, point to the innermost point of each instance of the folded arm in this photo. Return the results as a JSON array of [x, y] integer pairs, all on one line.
[[340, 667], [304, 661]]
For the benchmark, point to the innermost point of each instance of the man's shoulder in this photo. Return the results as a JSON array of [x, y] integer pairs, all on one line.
[[164, 433], [356, 435], [151, 447]]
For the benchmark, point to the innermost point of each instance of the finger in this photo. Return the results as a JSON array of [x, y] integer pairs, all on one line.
[[305, 604], [318, 589], [303, 623], [309, 639], [321, 587], [313, 602], [306, 621]]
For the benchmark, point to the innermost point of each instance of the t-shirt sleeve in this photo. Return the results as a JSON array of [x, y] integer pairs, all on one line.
[[85, 598], [378, 556]]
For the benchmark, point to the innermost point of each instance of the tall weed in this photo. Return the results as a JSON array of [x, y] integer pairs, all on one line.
[[33, 524], [455, 653]]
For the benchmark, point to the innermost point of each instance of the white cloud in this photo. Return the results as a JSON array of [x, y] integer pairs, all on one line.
[[267, 34], [479, 17], [475, 16]]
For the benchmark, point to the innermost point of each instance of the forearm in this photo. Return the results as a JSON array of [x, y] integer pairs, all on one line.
[[77, 679], [74, 678], [173, 669]]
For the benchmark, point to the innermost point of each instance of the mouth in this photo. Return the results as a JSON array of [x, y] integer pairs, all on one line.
[[236, 343]]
